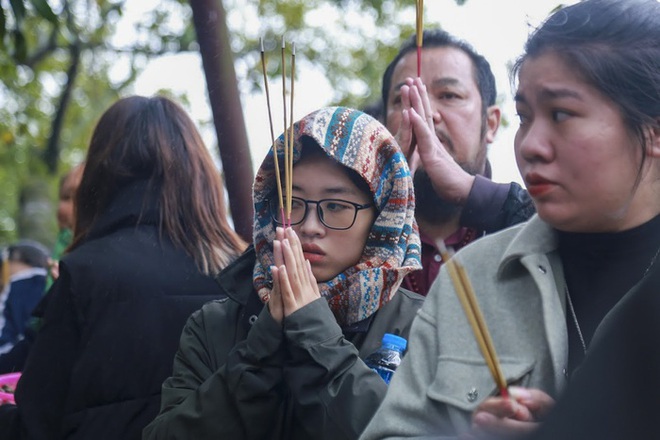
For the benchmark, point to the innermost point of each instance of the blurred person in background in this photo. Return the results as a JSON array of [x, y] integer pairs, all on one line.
[[65, 218], [151, 232], [14, 359], [26, 263]]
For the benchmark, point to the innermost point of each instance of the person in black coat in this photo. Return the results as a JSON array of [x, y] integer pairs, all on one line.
[[614, 393], [150, 234]]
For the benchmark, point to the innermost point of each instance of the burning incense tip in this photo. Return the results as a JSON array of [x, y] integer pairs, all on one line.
[[293, 49], [261, 43], [283, 42]]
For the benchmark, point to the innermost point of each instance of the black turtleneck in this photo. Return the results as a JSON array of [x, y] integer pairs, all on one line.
[[599, 269]]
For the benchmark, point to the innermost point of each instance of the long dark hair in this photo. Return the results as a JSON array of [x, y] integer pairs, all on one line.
[[614, 46], [153, 139]]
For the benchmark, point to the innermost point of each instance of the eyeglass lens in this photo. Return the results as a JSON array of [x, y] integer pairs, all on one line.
[[333, 213]]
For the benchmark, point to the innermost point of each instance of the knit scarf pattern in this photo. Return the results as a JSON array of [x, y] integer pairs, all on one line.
[[358, 141]]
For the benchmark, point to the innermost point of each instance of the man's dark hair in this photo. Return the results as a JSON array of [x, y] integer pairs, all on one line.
[[483, 75]]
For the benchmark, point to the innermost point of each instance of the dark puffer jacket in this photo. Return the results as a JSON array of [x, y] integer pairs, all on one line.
[[110, 332], [234, 386]]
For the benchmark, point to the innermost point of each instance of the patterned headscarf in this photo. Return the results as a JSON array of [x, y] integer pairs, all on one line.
[[357, 141]]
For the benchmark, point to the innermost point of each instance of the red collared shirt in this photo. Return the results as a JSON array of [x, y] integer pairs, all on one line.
[[421, 280]]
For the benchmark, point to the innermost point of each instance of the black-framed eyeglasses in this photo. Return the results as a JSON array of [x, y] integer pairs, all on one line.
[[334, 213]]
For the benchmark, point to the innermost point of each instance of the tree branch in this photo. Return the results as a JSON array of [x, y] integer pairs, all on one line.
[[52, 153]]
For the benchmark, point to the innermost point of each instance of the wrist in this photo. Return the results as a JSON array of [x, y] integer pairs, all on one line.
[[458, 191]]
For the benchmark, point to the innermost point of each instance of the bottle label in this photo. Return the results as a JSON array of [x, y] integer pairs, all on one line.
[[385, 373]]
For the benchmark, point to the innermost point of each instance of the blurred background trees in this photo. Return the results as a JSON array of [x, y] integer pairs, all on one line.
[[62, 62]]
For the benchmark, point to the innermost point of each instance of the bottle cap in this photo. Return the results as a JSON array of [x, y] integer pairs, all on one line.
[[397, 341]]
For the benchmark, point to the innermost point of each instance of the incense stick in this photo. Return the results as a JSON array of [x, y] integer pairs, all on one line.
[[272, 133], [466, 296], [287, 175], [290, 164], [420, 33]]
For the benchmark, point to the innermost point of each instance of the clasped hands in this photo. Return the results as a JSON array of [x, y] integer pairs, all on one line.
[[294, 284], [417, 136]]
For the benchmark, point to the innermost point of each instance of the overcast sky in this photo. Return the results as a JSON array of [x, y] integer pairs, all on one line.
[[497, 29]]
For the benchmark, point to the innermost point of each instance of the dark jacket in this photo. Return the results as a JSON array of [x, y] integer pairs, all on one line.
[[614, 393], [491, 206], [229, 382], [110, 331]]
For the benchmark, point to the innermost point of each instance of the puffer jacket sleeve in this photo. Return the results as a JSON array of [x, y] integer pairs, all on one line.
[[217, 391], [336, 394], [43, 390]]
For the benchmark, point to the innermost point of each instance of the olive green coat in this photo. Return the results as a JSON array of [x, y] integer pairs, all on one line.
[[240, 375]]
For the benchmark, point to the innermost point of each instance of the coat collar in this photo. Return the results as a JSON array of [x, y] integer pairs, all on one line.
[[533, 237], [236, 282], [236, 279], [135, 203]]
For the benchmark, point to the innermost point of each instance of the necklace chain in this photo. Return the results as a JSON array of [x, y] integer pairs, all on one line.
[[572, 309], [575, 320]]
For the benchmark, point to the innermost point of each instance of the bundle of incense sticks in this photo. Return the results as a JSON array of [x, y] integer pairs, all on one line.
[[419, 9], [474, 316], [284, 200]]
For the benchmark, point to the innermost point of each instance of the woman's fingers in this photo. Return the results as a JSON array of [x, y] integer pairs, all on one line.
[[499, 416], [312, 278], [306, 276], [297, 283], [538, 402], [275, 305], [502, 407], [298, 255], [293, 272], [288, 298], [277, 253], [491, 425]]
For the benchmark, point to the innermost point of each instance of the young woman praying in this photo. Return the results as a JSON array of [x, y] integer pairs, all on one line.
[[293, 369]]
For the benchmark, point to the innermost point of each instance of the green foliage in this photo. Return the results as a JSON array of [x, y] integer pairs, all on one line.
[[37, 47], [43, 9], [341, 37], [40, 40]]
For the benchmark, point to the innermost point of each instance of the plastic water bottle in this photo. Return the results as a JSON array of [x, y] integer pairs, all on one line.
[[387, 358]]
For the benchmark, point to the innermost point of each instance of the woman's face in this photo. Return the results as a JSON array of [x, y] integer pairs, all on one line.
[[330, 251], [578, 160], [66, 198]]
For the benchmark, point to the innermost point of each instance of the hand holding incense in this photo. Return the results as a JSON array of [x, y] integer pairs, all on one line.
[[468, 301]]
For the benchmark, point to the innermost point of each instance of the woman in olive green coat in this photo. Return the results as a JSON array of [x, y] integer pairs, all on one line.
[[294, 369]]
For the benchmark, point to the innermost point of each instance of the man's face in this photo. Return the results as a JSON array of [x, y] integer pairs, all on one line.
[[448, 74], [460, 124]]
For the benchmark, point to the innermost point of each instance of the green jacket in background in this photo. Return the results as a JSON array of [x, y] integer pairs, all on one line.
[[64, 237], [239, 375]]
